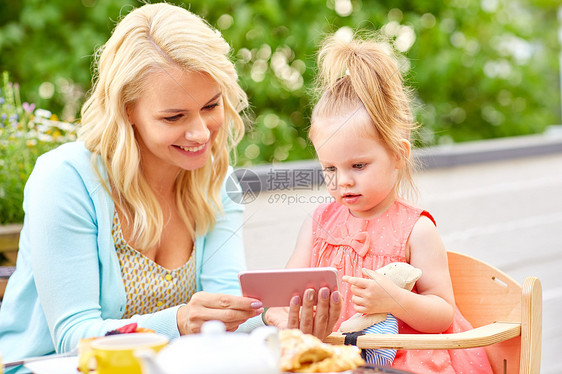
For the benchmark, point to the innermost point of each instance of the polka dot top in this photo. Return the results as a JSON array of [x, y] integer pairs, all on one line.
[[149, 286]]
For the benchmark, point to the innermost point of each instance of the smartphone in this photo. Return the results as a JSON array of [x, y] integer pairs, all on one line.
[[277, 287]]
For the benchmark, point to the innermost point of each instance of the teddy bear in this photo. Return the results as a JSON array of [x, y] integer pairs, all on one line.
[[402, 274]]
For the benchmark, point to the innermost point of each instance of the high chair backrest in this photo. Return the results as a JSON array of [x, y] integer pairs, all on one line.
[[485, 295]]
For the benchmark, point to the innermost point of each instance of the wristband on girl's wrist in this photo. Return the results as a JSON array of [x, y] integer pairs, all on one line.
[[263, 315]]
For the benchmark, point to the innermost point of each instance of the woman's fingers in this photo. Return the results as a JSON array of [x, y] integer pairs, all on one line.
[[322, 316], [317, 315], [335, 310], [278, 317], [307, 311], [293, 320], [223, 301], [231, 310]]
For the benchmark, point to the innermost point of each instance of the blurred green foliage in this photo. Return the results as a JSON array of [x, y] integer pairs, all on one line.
[[479, 69], [25, 134]]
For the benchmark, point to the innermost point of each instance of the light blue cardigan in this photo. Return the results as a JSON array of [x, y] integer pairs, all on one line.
[[67, 284]]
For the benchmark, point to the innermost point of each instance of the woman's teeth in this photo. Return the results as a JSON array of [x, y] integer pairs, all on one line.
[[192, 149]]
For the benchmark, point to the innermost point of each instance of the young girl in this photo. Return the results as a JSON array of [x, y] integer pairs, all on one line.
[[360, 129]]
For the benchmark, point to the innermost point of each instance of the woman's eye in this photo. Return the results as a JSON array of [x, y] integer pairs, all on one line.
[[173, 118], [359, 166], [211, 106]]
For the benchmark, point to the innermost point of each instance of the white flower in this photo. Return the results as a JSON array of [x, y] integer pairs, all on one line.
[[43, 113]]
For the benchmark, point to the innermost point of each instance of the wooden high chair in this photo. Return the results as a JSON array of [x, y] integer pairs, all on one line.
[[507, 319]]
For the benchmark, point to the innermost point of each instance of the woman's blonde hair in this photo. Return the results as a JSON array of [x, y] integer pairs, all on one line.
[[363, 74], [153, 38]]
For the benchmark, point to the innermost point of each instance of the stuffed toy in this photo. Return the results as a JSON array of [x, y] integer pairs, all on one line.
[[402, 274]]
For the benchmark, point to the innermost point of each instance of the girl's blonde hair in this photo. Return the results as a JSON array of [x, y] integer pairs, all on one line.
[[363, 74], [153, 38]]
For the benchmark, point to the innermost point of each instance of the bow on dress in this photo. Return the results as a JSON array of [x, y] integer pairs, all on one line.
[[360, 242]]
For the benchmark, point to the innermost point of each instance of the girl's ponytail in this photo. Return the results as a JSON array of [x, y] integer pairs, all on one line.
[[372, 75]]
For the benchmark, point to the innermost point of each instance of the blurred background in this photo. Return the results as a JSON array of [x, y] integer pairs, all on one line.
[[479, 69], [485, 70]]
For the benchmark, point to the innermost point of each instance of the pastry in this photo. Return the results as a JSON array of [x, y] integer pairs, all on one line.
[[304, 353]]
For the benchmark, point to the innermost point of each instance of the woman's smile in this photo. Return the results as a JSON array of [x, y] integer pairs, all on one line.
[[193, 150]]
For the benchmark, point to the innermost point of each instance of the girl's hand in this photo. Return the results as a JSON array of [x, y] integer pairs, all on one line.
[[203, 306], [379, 295]]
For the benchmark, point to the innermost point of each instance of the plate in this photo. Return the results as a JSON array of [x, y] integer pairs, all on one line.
[[68, 365], [61, 365]]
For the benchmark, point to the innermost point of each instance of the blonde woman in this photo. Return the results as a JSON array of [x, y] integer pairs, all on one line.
[[131, 224]]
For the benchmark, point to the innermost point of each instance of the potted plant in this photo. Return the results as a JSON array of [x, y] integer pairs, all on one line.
[[25, 134]]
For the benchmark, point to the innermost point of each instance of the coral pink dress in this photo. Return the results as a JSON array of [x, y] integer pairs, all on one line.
[[349, 243]]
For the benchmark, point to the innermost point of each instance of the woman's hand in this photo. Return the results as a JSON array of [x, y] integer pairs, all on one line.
[[276, 316], [319, 321], [203, 306]]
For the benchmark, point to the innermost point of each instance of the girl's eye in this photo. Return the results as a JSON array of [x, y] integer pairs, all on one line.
[[329, 169], [359, 166]]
